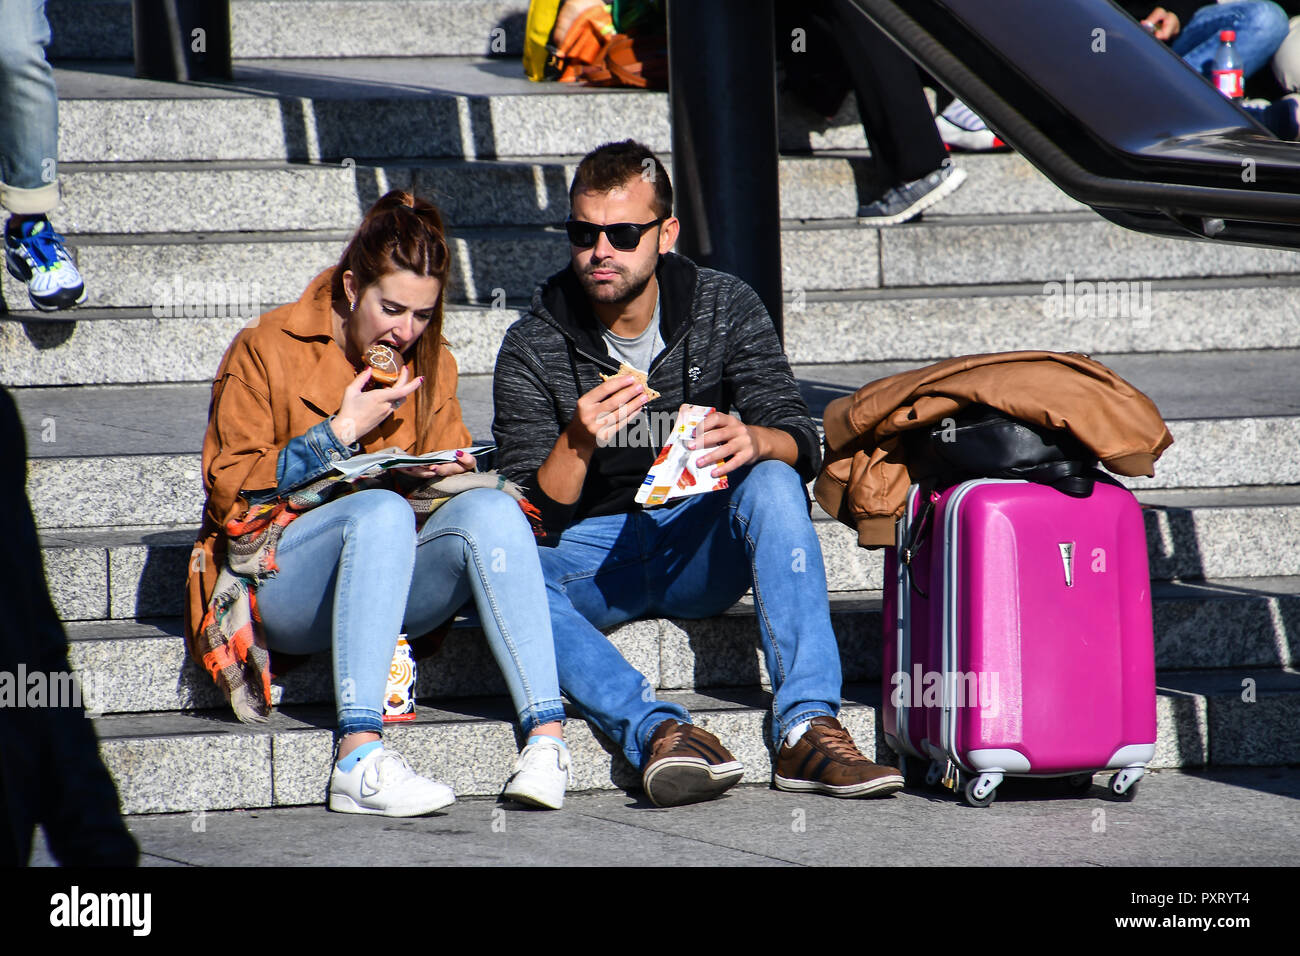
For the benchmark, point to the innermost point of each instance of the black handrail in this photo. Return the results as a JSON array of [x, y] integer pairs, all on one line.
[[1130, 130]]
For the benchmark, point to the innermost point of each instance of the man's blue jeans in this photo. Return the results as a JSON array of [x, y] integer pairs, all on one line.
[[1261, 27], [29, 110], [694, 560], [353, 573]]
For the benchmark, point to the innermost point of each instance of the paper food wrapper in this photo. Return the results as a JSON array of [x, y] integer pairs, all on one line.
[[674, 473]]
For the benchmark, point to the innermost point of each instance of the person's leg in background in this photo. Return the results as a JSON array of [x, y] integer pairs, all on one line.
[[1286, 61], [1260, 25], [910, 159], [29, 190]]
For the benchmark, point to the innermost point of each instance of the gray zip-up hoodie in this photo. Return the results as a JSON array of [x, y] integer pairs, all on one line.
[[720, 349]]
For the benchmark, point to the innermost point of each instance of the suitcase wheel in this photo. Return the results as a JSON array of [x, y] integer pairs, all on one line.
[[982, 790], [1124, 785], [934, 774]]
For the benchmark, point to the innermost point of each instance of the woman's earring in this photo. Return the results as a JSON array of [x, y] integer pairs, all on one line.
[[353, 303]]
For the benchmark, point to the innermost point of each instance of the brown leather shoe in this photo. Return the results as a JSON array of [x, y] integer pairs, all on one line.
[[826, 760], [687, 765]]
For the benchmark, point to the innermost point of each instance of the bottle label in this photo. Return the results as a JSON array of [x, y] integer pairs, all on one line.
[[1229, 82], [399, 697]]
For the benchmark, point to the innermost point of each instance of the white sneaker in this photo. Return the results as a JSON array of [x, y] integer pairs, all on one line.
[[541, 775], [384, 783], [961, 128]]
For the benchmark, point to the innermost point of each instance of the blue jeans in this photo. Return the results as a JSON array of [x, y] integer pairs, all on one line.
[[694, 560], [354, 573], [29, 110], [1261, 27]]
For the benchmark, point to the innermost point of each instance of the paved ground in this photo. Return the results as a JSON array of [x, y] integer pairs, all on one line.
[[1239, 818]]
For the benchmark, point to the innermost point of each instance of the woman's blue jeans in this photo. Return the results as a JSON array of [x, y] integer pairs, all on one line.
[[29, 110], [354, 573]]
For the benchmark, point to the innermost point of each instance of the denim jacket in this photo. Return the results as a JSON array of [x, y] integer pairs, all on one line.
[[309, 456]]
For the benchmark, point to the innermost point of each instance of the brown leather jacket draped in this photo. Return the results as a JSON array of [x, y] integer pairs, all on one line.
[[864, 478], [282, 374]]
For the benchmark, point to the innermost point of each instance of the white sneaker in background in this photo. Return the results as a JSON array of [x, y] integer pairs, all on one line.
[[541, 775], [384, 783], [960, 128]]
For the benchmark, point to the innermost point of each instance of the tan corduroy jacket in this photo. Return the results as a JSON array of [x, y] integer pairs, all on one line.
[[281, 375], [864, 477]]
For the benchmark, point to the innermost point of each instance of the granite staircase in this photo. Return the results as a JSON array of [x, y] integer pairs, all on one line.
[[191, 208]]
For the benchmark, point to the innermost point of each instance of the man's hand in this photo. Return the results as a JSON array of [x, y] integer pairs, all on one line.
[[722, 436], [604, 410], [598, 417], [1163, 24], [362, 411]]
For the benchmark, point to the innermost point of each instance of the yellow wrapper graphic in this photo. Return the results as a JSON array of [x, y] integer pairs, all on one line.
[[399, 697]]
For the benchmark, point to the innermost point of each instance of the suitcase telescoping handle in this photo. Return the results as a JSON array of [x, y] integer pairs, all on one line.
[[928, 494]]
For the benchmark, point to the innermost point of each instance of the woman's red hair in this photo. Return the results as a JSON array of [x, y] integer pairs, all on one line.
[[402, 232]]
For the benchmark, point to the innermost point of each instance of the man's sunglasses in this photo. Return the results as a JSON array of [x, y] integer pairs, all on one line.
[[623, 236]]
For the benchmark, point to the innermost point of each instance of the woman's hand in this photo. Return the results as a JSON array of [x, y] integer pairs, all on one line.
[[464, 462], [362, 411]]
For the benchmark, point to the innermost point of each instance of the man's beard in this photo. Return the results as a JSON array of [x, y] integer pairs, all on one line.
[[615, 292]]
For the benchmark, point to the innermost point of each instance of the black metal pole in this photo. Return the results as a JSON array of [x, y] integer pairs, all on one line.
[[722, 80], [182, 39]]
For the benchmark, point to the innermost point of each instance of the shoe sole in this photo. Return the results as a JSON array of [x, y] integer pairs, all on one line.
[[938, 193], [879, 787], [342, 803], [676, 781], [540, 802]]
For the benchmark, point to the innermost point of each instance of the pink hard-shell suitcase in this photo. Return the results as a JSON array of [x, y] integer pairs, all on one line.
[[1018, 636]]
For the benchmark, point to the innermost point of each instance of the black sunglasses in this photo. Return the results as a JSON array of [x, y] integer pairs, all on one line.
[[623, 236]]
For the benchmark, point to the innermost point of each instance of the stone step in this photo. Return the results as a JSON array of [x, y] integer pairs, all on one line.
[[488, 265], [200, 762], [384, 107], [333, 109], [137, 666], [138, 445], [128, 346], [133, 198], [101, 29], [1070, 253], [121, 574]]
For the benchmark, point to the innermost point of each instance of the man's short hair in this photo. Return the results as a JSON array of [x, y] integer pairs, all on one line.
[[612, 165]]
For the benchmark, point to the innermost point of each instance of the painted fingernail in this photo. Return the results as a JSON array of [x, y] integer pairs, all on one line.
[[459, 454]]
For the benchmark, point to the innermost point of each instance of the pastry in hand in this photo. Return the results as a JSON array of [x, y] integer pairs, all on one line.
[[640, 376], [385, 365]]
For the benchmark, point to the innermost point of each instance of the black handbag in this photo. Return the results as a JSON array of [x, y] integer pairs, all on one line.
[[982, 442]]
